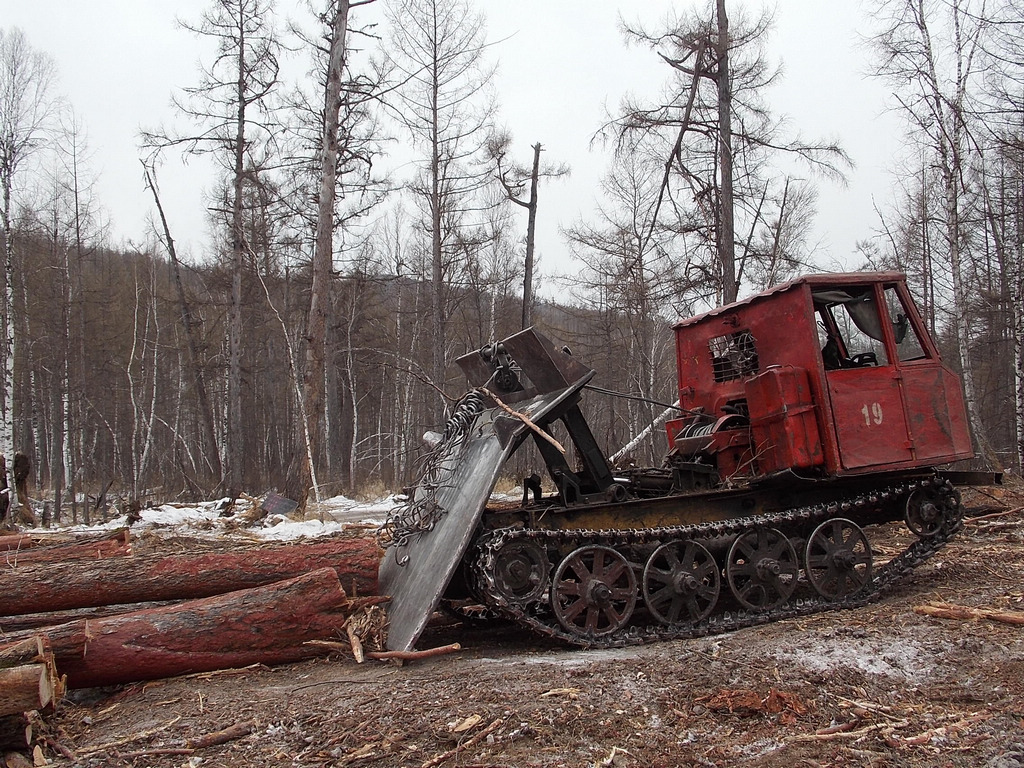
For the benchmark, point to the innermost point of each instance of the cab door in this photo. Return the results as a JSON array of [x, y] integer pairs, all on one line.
[[932, 397], [868, 408]]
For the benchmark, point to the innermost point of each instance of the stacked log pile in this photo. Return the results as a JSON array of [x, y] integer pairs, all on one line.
[[28, 683], [182, 613], [56, 586]]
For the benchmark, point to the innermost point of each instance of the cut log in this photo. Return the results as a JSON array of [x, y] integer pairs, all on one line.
[[84, 584], [26, 651], [15, 732], [223, 736], [25, 688], [11, 540], [17, 624], [118, 545], [267, 624], [441, 650], [30, 651]]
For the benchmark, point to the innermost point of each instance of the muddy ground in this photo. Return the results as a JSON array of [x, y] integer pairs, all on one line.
[[877, 686]]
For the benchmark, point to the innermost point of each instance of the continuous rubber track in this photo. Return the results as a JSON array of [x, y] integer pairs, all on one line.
[[539, 617]]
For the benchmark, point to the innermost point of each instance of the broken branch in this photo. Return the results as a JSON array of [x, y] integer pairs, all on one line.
[[966, 613], [223, 736], [414, 655], [523, 418]]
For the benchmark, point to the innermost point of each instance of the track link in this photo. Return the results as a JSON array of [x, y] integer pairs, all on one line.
[[539, 617]]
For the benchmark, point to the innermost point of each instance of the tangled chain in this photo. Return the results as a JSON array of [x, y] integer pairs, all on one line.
[[421, 511]]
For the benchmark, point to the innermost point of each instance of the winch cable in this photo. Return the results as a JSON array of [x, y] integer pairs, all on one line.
[[641, 398]]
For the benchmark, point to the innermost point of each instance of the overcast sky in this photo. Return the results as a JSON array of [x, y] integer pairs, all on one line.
[[561, 63]]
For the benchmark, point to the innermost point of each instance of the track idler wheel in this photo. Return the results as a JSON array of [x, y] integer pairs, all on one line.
[[521, 571], [924, 515], [837, 559], [762, 569], [681, 583], [593, 592]]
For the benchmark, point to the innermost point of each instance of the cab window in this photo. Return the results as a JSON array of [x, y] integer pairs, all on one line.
[[908, 345], [851, 327]]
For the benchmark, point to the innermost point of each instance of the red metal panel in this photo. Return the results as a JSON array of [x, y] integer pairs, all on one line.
[[868, 413], [783, 421], [782, 325], [935, 413]]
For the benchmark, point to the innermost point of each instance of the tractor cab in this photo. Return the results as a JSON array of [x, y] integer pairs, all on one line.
[[825, 376]]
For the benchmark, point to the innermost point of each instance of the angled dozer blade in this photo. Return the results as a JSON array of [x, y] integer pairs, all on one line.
[[529, 376]]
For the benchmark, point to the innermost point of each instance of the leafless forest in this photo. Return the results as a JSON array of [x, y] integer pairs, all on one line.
[[313, 342]]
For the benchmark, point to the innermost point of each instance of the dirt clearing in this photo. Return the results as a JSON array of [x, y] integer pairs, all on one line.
[[878, 686]]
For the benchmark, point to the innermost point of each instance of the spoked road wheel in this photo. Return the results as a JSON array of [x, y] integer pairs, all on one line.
[[762, 569], [681, 582], [593, 592], [837, 559]]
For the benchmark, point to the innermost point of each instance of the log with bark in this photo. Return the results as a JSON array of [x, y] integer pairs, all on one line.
[[28, 676], [17, 624], [84, 584], [16, 541], [56, 538], [267, 624], [25, 688], [31, 551], [23, 651]]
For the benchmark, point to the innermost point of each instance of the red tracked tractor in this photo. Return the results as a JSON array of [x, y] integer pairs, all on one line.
[[812, 415]]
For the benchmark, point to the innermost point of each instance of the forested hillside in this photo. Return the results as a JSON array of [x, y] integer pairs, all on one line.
[[373, 220]]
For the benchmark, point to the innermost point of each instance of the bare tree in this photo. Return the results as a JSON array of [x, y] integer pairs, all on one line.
[[776, 247], [210, 455], [636, 279], [1003, 115], [231, 107], [26, 111], [715, 134], [343, 157], [726, 229], [437, 50], [76, 225], [513, 179]]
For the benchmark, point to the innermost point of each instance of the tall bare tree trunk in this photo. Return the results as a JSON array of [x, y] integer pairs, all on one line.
[[1017, 302], [952, 113], [726, 225], [233, 457], [323, 261], [7, 422], [531, 227], [437, 286]]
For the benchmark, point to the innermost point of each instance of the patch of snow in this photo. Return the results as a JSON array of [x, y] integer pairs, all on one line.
[[171, 516], [344, 509], [895, 657], [206, 520], [760, 748], [281, 528]]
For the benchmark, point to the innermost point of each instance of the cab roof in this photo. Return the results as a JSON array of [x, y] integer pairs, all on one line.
[[814, 281]]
